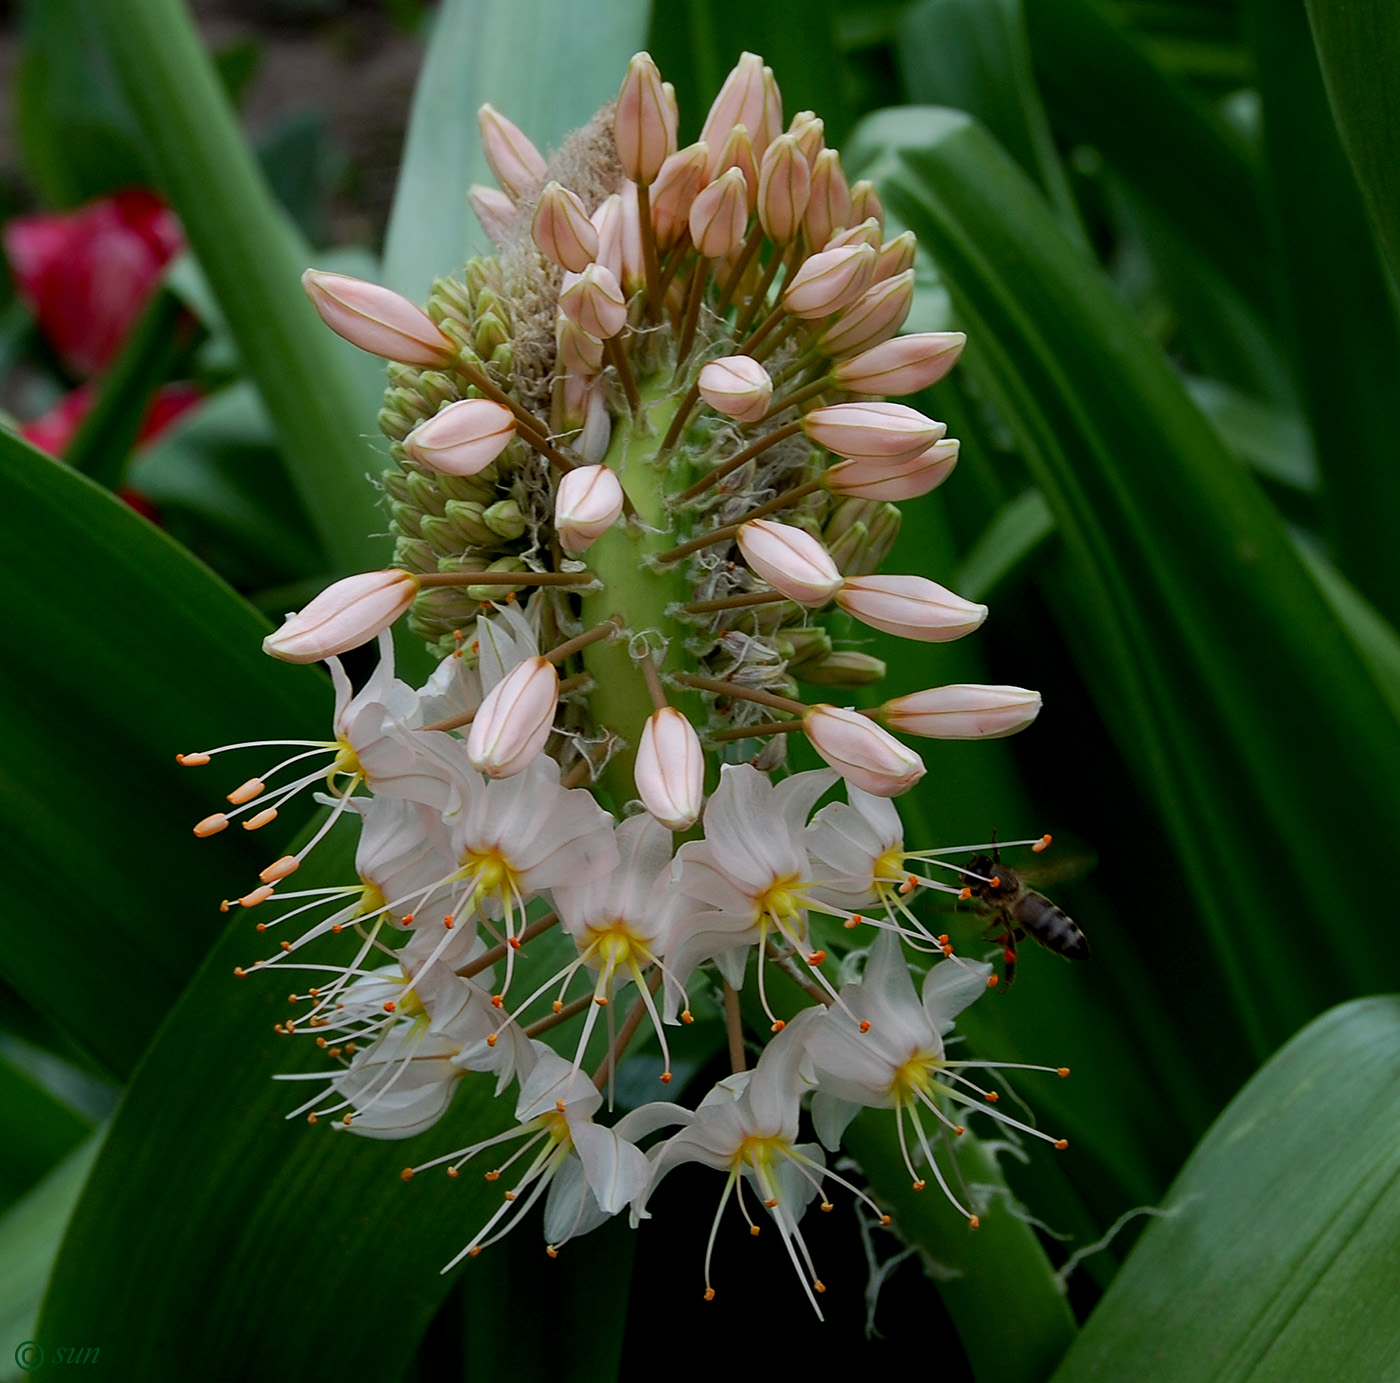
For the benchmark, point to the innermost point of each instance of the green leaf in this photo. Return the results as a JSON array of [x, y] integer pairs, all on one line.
[[38, 1130], [121, 651], [1358, 45], [1020, 529], [1276, 1260], [30, 1233], [308, 1240], [973, 55], [1178, 585], [253, 260], [1344, 332], [542, 65]]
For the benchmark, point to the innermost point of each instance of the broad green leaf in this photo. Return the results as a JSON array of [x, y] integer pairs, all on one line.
[[1358, 46], [1275, 1261], [1020, 529], [972, 55], [1274, 443], [1179, 585], [697, 42], [1101, 89], [314, 1249], [30, 1233], [253, 260], [542, 64], [121, 651], [1344, 333], [36, 1131]]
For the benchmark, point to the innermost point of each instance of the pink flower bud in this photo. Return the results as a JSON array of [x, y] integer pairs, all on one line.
[[963, 711], [790, 560], [866, 232], [904, 480], [829, 281], [596, 433], [865, 202], [630, 239], [644, 125], [670, 770], [844, 668], [463, 438], [896, 256], [738, 153], [607, 225], [861, 752], [562, 230], [516, 162], [594, 302], [809, 132], [829, 209], [784, 189], [343, 616], [770, 126], [576, 352], [911, 606], [514, 721], [737, 386], [675, 190], [872, 431], [377, 319], [741, 101], [903, 365], [494, 210], [874, 317], [719, 214], [586, 504]]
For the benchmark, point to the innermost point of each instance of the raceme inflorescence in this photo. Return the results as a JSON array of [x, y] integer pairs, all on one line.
[[645, 473]]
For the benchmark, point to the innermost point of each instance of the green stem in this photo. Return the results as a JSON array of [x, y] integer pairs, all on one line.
[[253, 260], [622, 559]]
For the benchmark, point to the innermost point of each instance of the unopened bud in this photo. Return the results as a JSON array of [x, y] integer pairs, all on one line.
[[790, 560], [495, 210], [377, 319], [514, 721], [516, 162], [644, 124], [594, 302], [963, 711], [829, 281], [829, 208], [896, 256], [737, 386], [873, 431], [719, 214], [738, 153], [865, 232], [844, 668], [630, 239], [586, 504], [576, 351], [345, 615], [894, 482], [740, 102], [675, 190], [784, 188], [809, 132], [670, 770], [874, 317], [903, 365], [865, 202], [861, 752], [562, 230], [463, 438], [911, 606]]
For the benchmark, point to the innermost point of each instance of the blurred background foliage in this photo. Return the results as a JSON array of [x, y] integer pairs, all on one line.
[[1164, 225]]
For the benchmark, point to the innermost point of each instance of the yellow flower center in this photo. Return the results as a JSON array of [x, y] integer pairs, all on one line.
[[889, 867], [914, 1077], [782, 899]]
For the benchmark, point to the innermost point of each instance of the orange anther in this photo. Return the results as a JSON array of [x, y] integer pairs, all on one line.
[[559, 1106], [778, 1025], [557, 1006], [665, 1078], [491, 1039], [515, 943], [1061, 1144], [1062, 1071], [261, 927], [973, 1222], [452, 1173], [407, 1174], [285, 945], [816, 958], [498, 1001], [964, 894], [510, 1195], [864, 1025], [211, 825], [346, 1120], [818, 1285], [919, 1185], [958, 1130], [492, 1175], [239, 971], [551, 1250], [448, 923], [687, 1016], [254, 787], [255, 823], [947, 949], [994, 881], [225, 905], [601, 1001], [474, 1251], [709, 1293], [753, 1231], [337, 928], [191, 760], [390, 1006], [991, 981], [943, 938], [909, 885], [771, 1203], [1042, 843], [311, 1118], [992, 1097]]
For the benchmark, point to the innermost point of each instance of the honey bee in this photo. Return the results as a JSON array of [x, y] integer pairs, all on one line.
[[1019, 912]]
